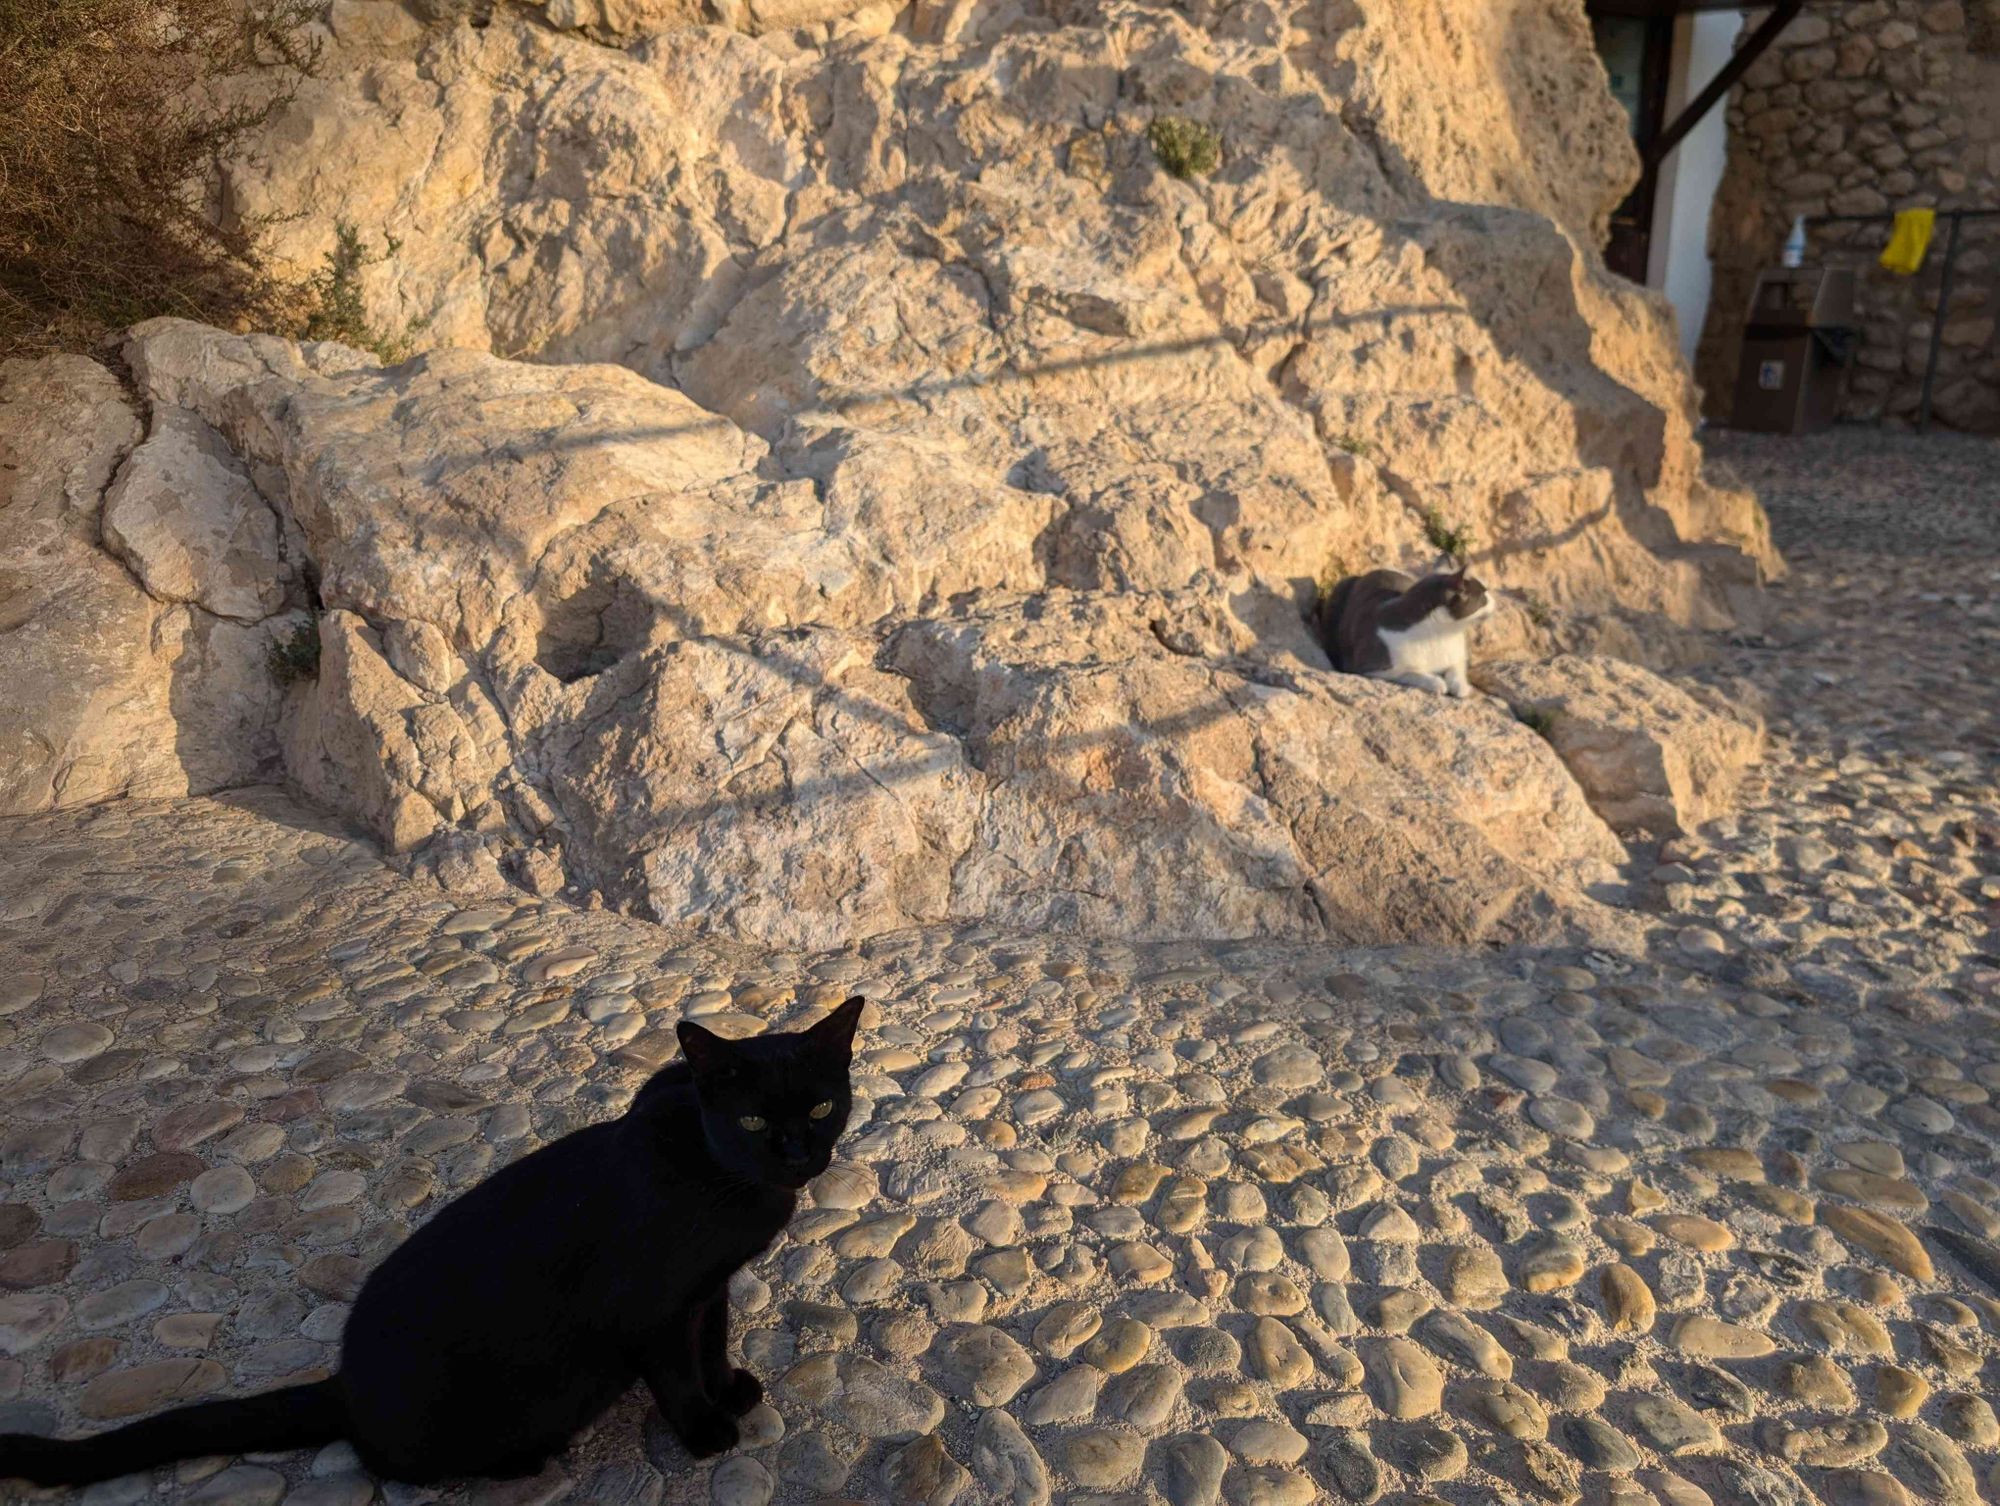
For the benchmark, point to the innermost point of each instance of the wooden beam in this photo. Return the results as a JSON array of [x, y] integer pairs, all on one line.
[[1782, 15]]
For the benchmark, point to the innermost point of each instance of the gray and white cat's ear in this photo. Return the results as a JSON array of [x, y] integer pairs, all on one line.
[[703, 1048], [835, 1033]]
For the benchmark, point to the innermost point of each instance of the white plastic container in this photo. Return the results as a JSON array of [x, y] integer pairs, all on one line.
[[1795, 244]]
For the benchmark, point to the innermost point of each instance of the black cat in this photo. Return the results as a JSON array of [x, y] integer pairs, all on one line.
[[525, 1308]]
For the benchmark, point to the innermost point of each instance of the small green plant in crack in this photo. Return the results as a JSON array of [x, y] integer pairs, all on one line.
[[296, 657], [1453, 541], [337, 311], [1540, 613], [1354, 444], [1186, 148], [1541, 723]]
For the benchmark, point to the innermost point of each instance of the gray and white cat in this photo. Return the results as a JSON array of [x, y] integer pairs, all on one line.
[[1392, 626]]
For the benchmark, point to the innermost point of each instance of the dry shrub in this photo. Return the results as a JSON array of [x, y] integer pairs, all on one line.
[[1982, 27], [113, 120]]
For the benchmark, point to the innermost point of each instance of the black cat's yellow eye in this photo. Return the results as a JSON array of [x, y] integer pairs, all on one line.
[[821, 1110], [751, 1122]]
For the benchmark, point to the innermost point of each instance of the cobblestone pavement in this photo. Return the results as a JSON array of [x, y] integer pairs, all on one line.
[[1253, 1223]]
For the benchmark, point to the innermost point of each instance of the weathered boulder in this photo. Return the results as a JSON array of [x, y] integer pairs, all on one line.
[[777, 786], [1652, 757], [187, 521], [105, 691], [1145, 777]]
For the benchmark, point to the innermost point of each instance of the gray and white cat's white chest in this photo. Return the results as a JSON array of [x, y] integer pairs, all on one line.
[[1431, 647]]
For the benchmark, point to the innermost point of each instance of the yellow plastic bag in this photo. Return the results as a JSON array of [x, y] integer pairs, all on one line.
[[1910, 240]]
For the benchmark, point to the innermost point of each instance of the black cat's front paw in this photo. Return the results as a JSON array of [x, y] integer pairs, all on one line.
[[739, 1393], [706, 1433]]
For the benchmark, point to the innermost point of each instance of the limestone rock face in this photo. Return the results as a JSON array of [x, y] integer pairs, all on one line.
[[105, 691], [851, 484], [951, 230], [1651, 756], [1522, 71], [85, 707]]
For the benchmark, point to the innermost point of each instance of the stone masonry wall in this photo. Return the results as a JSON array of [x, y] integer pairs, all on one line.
[[1864, 108]]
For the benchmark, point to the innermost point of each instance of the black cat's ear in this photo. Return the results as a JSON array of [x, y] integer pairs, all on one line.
[[835, 1034], [702, 1048]]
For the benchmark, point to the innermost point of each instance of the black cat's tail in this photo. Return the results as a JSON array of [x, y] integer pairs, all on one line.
[[294, 1417]]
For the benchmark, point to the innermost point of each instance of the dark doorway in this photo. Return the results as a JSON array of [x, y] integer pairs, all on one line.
[[1638, 54]]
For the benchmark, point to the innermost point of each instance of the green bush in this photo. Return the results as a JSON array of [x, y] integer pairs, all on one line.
[[335, 310], [1451, 540], [1186, 148], [297, 658], [1541, 723]]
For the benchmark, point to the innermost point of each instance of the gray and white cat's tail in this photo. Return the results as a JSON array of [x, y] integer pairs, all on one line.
[[293, 1417], [1326, 618]]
